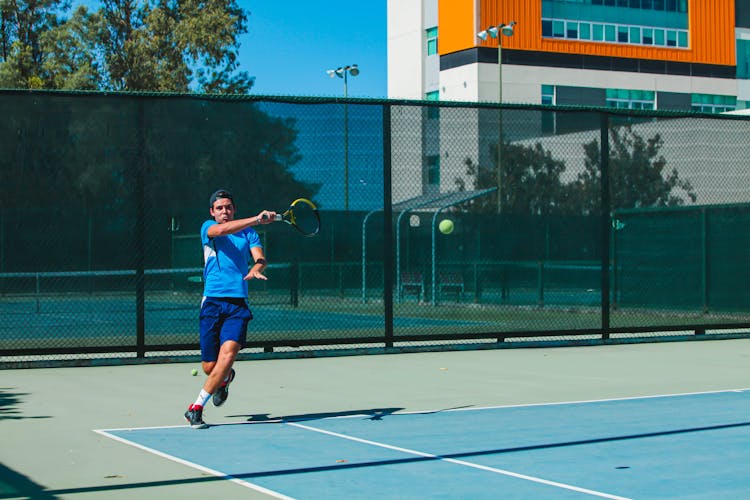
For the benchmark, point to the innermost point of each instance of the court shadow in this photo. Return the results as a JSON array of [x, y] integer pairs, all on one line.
[[15, 485], [370, 414], [9, 405]]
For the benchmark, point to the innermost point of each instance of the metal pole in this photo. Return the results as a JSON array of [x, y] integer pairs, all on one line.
[[346, 144], [500, 122]]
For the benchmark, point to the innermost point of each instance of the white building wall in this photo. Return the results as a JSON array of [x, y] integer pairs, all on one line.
[[522, 84], [405, 49]]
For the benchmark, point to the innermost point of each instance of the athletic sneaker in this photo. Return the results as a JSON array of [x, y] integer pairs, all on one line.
[[194, 417], [222, 393]]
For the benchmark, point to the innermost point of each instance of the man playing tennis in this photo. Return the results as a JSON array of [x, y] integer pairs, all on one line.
[[228, 245]]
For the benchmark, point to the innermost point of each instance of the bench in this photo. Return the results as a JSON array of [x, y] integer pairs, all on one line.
[[451, 283], [412, 283]]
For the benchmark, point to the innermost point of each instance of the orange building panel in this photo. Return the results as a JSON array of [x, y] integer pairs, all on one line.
[[710, 22]]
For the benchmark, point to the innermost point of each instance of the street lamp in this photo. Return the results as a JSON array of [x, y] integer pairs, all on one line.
[[498, 32], [343, 72]]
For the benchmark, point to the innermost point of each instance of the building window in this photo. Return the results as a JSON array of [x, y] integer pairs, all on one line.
[[433, 112], [597, 32], [432, 162], [558, 29], [584, 31], [548, 95], [615, 33], [631, 99], [572, 31], [609, 33], [648, 36], [622, 34], [432, 42], [743, 59], [708, 103]]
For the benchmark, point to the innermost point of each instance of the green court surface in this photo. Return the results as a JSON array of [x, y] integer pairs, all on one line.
[[48, 416]]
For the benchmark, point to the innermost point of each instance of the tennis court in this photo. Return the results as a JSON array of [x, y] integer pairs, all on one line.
[[669, 446], [666, 420]]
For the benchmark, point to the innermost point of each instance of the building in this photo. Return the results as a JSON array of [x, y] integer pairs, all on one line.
[[644, 54], [633, 54]]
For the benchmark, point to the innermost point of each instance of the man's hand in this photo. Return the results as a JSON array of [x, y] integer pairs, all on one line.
[[255, 274], [266, 217]]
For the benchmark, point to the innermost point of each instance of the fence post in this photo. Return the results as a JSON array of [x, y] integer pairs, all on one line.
[[388, 228], [140, 230], [605, 223]]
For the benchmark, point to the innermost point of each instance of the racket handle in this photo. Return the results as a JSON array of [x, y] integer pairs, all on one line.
[[276, 218]]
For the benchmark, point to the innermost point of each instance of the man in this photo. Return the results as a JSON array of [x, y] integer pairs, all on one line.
[[228, 246]]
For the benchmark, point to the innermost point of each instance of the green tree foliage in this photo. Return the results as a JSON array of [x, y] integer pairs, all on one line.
[[531, 179], [153, 45], [638, 175]]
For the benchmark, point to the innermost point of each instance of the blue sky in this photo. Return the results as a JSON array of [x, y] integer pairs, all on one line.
[[291, 43]]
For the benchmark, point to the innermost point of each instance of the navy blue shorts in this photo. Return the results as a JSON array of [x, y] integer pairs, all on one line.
[[222, 319]]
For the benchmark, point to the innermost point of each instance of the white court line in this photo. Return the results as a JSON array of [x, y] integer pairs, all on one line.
[[417, 412], [462, 462], [583, 401], [213, 472]]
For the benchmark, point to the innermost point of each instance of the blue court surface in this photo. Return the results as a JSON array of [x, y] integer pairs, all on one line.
[[675, 446]]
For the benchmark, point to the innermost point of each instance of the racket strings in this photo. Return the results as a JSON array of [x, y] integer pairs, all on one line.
[[304, 217]]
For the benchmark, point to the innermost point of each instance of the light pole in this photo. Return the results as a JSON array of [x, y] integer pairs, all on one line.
[[343, 72], [498, 32]]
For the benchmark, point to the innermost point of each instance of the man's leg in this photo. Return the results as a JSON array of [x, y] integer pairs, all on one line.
[[218, 370]]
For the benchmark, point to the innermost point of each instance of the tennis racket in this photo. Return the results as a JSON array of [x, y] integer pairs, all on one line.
[[303, 215]]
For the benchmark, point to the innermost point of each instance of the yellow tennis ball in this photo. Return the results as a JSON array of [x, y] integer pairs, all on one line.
[[446, 226], [194, 372]]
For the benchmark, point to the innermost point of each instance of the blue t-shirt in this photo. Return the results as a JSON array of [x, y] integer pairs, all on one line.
[[226, 260]]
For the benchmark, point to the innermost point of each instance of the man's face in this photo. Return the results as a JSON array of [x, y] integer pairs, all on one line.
[[223, 210]]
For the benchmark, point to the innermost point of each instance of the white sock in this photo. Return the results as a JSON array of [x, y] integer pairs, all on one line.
[[202, 398]]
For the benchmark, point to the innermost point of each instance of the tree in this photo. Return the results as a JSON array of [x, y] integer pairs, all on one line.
[[530, 180], [134, 45], [22, 24], [638, 175]]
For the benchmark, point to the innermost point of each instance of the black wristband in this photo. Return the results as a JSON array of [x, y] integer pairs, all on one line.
[[262, 262]]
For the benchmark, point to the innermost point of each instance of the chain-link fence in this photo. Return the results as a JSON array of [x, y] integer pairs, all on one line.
[[103, 196]]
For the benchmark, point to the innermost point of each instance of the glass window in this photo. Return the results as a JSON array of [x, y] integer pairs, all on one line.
[[433, 170], [635, 4], [682, 39], [671, 38], [609, 32], [672, 5], [597, 32], [635, 34], [658, 4], [743, 59], [548, 94], [546, 28], [646, 4], [622, 3], [659, 37], [622, 34], [558, 29], [648, 36], [584, 31], [432, 43], [572, 31]]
